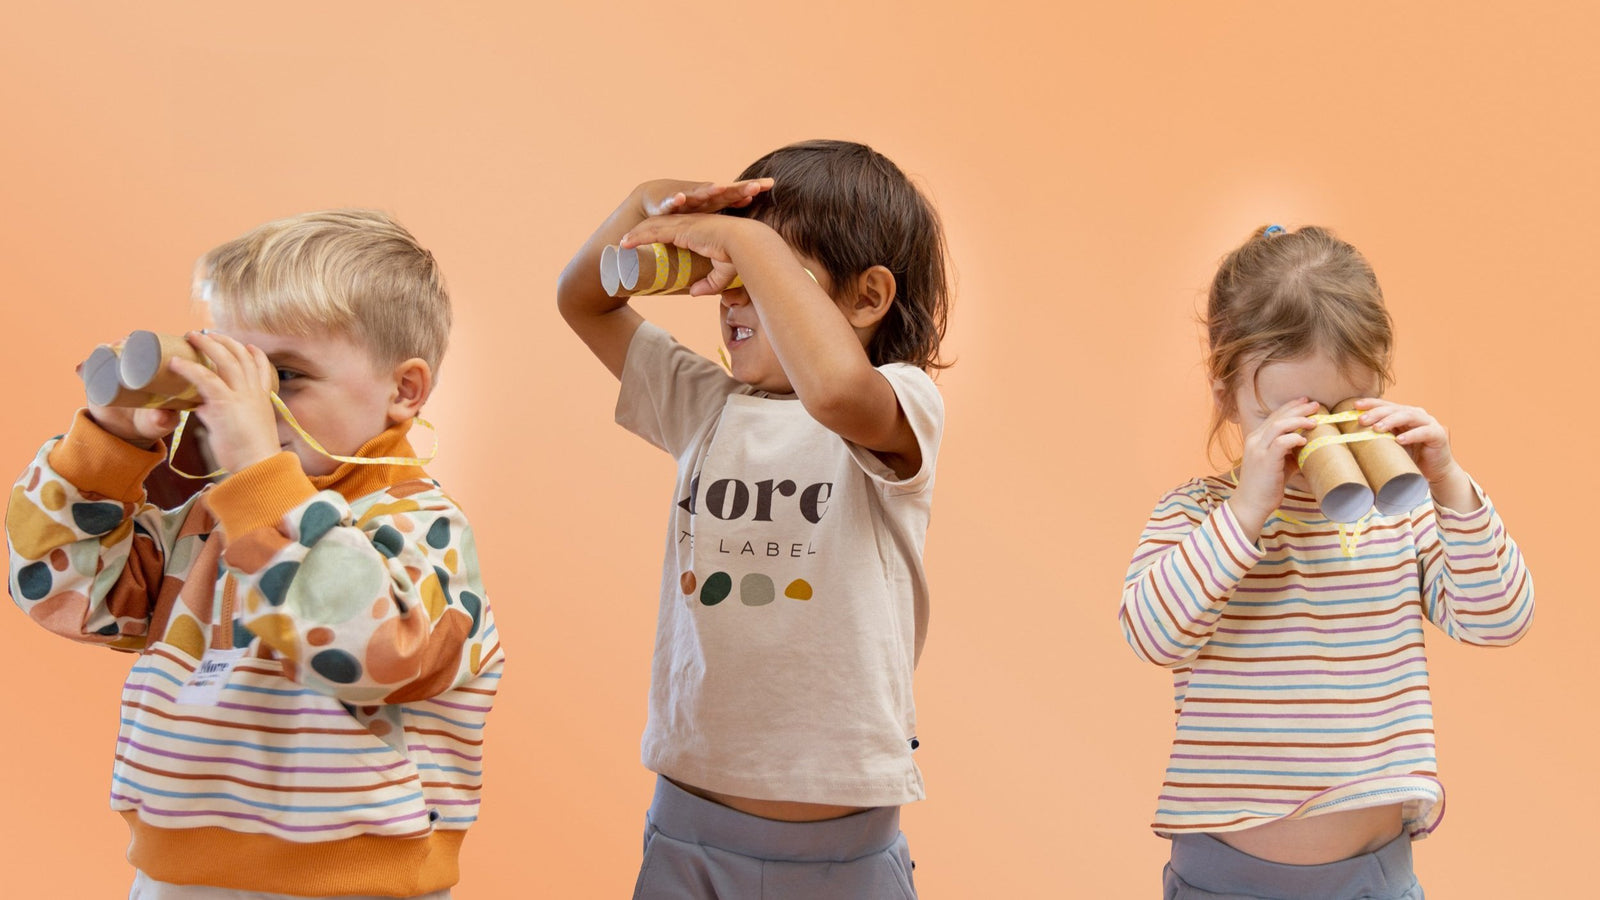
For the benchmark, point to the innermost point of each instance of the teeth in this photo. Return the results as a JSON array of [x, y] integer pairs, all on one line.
[[740, 333]]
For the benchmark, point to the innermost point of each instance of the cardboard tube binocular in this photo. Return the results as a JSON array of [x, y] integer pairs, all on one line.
[[652, 269], [1351, 478], [134, 373]]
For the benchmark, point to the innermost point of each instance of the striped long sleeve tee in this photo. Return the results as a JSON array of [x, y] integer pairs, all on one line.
[[1299, 673], [342, 753]]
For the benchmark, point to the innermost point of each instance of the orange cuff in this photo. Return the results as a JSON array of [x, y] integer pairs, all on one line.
[[95, 461], [258, 496]]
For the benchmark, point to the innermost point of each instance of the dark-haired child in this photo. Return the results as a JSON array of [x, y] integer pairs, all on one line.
[[793, 603]]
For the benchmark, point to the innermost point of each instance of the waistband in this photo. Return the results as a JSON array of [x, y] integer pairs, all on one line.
[[1211, 865], [385, 866], [682, 816]]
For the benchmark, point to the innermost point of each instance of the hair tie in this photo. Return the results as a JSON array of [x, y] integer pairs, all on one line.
[[1272, 230]]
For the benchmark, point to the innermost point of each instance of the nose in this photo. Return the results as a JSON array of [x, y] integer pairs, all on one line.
[[733, 297]]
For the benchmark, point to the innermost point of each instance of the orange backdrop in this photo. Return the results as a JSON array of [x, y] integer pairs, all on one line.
[[1091, 165]]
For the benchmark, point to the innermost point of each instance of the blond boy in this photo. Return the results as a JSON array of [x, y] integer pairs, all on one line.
[[316, 655]]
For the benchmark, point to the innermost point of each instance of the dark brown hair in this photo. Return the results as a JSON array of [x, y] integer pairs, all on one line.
[[1285, 294], [848, 207]]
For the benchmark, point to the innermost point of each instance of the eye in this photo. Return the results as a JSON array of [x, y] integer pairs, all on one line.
[[285, 375]]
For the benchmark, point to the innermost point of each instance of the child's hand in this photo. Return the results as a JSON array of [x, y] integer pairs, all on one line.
[[235, 402], [1268, 463], [665, 197], [1428, 442], [139, 427], [707, 235]]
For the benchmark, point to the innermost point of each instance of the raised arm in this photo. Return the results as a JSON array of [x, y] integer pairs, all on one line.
[[381, 605], [1191, 556], [1475, 585], [605, 323], [88, 553], [819, 340]]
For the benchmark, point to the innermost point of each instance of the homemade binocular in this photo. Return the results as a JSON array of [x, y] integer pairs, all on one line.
[[134, 373], [1351, 468], [652, 269]]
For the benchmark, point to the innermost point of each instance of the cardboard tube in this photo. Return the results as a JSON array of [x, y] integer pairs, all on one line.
[[102, 381], [140, 377], [610, 277], [653, 269], [145, 355], [1340, 488], [1388, 468]]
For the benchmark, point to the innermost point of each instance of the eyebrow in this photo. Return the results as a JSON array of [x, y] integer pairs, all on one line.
[[290, 358]]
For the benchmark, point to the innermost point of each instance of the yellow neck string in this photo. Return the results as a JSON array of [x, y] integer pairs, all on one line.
[[288, 418]]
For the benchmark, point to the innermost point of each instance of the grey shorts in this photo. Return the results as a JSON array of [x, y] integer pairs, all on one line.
[[1204, 868], [698, 850]]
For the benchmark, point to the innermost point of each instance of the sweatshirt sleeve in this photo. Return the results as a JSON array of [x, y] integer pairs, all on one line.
[[1191, 556], [1475, 585], [385, 606], [87, 551]]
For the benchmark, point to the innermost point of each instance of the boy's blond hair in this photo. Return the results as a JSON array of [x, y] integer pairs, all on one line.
[[356, 272]]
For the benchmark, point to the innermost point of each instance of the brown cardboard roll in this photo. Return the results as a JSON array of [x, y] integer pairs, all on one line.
[[102, 381], [145, 355], [652, 269], [1387, 467], [134, 373], [1340, 488]]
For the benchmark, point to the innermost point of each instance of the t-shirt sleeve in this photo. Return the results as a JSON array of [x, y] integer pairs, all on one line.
[[668, 391], [924, 409]]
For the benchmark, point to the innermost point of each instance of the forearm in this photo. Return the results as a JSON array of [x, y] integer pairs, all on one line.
[[381, 610], [1175, 592], [579, 292], [79, 564], [819, 350], [1475, 583]]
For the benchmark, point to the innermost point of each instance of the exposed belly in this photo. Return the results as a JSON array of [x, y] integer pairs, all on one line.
[[1319, 839]]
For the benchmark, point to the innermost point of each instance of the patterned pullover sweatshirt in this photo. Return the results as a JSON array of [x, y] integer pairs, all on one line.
[[1299, 673], [342, 752]]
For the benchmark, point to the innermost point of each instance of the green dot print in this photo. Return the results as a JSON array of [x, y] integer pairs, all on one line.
[[716, 589]]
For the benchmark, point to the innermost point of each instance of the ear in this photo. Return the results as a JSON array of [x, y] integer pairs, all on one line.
[[413, 382], [874, 291], [1219, 396]]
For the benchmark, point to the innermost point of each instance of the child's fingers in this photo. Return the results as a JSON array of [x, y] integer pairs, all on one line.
[[1432, 434], [1402, 418], [263, 366], [204, 380], [222, 351]]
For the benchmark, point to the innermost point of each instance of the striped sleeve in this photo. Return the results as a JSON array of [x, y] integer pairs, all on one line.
[[1475, 585], [1190, 558]]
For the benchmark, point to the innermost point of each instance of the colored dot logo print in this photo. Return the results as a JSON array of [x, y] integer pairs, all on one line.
[[755, 589], [717, 588]]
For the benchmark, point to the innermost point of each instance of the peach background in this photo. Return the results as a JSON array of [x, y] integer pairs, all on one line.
[[1091, 166]]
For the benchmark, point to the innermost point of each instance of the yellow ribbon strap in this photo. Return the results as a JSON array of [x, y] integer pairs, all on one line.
[[685, 269], [288, 418], [1354, 437], [663, 263]]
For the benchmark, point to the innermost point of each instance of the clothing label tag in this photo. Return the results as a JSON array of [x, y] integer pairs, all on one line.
[[204, 687]]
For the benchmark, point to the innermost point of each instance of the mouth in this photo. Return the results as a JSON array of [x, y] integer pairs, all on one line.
[[740, 334]]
